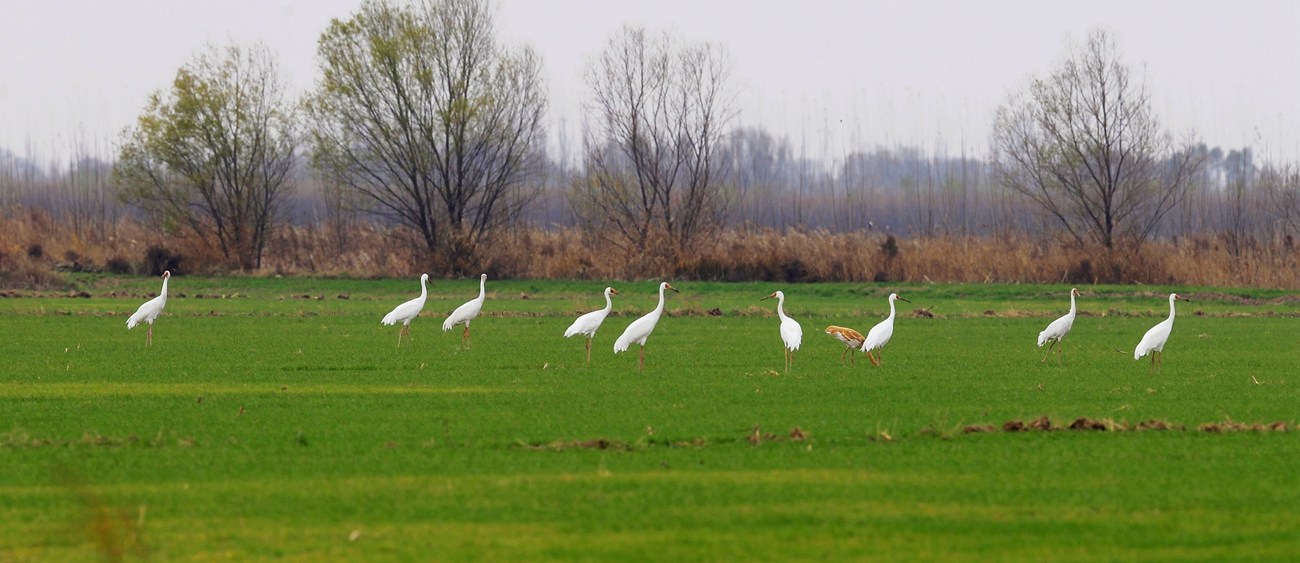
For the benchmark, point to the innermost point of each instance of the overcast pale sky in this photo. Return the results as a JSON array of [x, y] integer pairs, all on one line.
[[835, 75]]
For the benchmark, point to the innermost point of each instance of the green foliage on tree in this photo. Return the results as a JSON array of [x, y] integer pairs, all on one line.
[[433, 124], [215, 152]]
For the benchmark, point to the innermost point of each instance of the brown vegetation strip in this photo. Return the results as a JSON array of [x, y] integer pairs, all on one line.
[[365, 249], [18, 438]]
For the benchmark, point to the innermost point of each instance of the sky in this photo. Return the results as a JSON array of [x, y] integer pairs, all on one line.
[[833, 76]]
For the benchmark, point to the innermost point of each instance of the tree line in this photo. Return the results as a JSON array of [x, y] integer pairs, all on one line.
[[422, 119]]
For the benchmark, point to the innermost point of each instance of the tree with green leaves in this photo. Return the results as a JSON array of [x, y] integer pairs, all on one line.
[[433, 123], [215, 152]]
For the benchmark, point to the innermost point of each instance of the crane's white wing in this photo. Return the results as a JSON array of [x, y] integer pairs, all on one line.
[[1154, 339], [879, 335], [147, 312], [463, 314], [637, 332], [405, 312], [1057, 330], [587, 324], [791, 333]]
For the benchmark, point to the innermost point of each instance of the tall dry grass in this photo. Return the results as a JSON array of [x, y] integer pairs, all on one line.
[[370, 250]]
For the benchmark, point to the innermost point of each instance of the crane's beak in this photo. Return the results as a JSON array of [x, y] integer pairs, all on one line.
[[613, 291], [768, 297], [903, 300], [1181, 298], [671, 287]]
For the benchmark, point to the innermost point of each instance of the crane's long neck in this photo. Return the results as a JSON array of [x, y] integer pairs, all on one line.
[[1171, 309], [609, 305], [1073, 309], [163, 293], [780, 307], [482, 293], [891, 309], [424, 290], [660, 309]]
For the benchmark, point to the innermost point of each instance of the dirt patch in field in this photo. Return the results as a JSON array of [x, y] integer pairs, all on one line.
[[1232, 426], [597, 444], [757, 436], [1241, 299], [978, 428], [1088, 424], [1042, 423], [1158, 425]]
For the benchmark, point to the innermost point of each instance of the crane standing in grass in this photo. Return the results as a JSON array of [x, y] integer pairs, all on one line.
[[640, 329], [1057, 330], [466, 313], [852, 340], [150, 310], [588, 323], [406, 312], [791, 332], [1153, 342], [880, 334]]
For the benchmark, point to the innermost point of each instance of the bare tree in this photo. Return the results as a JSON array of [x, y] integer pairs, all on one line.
[[659, 111], [434, 124], [215, 152], [1085, 145], [1282, 186]]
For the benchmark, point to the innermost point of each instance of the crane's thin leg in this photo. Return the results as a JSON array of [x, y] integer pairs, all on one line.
[[853, 359], [399, 336], [148, 339], [880, 356], [640, 363], [1153, 363], [465, 341], [1049, 351], [1160, 362], [588, 349], [846, 351], [871, 357]]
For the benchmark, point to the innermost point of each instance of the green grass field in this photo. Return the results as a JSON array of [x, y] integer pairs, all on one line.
[[265, 426]]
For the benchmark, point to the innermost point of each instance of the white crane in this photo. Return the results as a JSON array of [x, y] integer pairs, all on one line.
[[588, 323], [150, 310], [791, 332], [852, 340], [466, 313], [1154, 340], [406, 312], [880, 334], [1058, 329], [640, 329]]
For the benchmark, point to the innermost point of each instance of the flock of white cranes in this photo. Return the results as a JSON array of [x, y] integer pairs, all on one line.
[[1153, 342]]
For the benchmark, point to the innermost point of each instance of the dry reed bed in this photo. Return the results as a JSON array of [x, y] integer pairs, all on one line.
[[368, 250]]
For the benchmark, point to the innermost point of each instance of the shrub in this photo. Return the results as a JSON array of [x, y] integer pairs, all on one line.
[[158, 260], [118, 265]]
